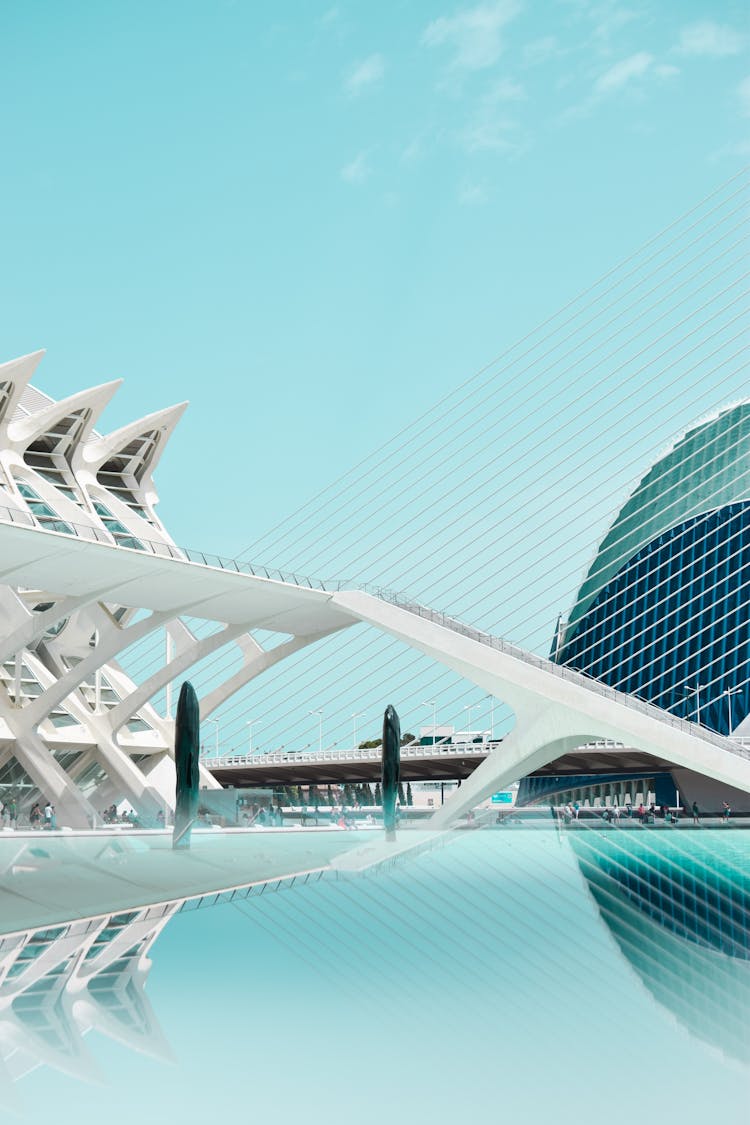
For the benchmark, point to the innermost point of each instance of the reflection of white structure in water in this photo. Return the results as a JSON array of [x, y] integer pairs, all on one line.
[[677, 906], [679, 910], [58, 983]]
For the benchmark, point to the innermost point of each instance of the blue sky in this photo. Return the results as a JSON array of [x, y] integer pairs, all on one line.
[[310, 219], [314, 221]]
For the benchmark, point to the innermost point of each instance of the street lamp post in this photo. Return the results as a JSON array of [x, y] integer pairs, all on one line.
[[319, 713], [729, 692], [469, 707], [431, 703], [216, 744], [250, 723], [698, 702], [492, 717]]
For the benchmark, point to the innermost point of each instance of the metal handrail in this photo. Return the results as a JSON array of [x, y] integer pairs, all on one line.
[[162, 548], [372, 754], [581, 679]]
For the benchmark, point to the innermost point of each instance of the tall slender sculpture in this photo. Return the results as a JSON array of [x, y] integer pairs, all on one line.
[[391, 769], [186, 757]]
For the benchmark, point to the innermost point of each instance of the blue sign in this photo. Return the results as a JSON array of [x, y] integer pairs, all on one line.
[[502, 798]]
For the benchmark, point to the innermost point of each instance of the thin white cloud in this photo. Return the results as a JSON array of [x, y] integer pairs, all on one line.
[[630, 74], [489, 136], [743, 93], [474, 35], [738, 148], [609, 21], [414, 151], [505, 90], [624, 73], [365, 74], [710, 39], [357, 170], [540, 50], [472, 194]]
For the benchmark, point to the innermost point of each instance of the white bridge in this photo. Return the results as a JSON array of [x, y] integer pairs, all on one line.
[[555, 708]]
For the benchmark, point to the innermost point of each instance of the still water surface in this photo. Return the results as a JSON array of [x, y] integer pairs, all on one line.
[[508, 974]]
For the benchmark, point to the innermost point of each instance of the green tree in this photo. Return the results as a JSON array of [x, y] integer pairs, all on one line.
[[409, 798], [378, 794], [401, 797]]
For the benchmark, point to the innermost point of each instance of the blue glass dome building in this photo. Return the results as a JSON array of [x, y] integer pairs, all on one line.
[[664, 609]]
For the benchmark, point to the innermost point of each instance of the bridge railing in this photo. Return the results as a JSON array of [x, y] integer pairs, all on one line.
[[734, 746], [371, 754], [132, 541]]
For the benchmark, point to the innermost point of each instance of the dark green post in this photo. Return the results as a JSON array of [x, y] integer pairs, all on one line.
[[186, 755], [391, 769]]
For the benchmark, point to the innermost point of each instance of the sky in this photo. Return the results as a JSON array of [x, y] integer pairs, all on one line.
[[310, 219], [313, 221]]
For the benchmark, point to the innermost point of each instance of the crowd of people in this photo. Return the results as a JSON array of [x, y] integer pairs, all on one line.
[[40, 815], [110, 815], [645, 814]]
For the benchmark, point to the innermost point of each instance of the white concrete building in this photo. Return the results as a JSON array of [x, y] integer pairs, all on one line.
[[88, 569]]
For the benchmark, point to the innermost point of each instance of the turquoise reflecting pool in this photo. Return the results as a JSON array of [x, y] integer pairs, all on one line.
[[517, 971]]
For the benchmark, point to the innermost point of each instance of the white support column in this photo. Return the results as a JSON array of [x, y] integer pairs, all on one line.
[[168, 657], [53, 782]]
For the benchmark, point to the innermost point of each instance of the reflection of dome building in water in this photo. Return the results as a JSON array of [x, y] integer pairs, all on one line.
[[679, 909], [663, 610]]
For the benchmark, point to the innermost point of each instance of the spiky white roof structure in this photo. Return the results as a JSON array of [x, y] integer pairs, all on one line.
[[58, 473]]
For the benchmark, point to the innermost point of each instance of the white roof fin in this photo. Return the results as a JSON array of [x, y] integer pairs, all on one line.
[[25, 430], [96, 452], [18, 372]]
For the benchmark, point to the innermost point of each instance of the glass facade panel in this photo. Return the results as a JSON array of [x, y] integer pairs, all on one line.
[[672, 625]]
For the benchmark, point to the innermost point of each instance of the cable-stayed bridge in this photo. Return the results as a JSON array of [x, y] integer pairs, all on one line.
[[492, 504], [535, 501], [556, 708]]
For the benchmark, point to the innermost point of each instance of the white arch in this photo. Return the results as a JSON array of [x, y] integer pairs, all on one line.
[[124, 710], [257, 664], [553, 706]]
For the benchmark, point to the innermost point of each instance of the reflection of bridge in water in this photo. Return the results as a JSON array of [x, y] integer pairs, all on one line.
[[677, 906]]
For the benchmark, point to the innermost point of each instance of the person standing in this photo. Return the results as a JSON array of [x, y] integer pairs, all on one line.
[[696, 815], [727, 811], [48, 815]]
